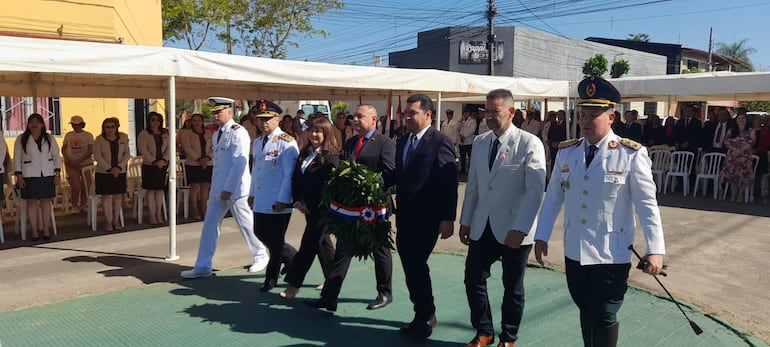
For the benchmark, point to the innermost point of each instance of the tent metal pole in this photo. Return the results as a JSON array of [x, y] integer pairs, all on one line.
[[171, 116], [438, 112]]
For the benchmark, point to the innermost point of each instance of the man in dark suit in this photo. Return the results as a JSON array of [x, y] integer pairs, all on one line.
[[375, 150], [688, 130], [632, 129], [715, 133], [427, 203]]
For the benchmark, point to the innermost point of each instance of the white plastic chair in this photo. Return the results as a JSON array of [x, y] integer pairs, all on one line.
[[135, 172], [747, 193], [661, 161], [681, 165], [93, 199], [21, 208], [711, 165]]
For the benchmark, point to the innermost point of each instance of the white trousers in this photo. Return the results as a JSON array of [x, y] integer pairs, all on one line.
[[244, 219]]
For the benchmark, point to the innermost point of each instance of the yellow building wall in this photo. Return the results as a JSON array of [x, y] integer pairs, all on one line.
[[128, 22]]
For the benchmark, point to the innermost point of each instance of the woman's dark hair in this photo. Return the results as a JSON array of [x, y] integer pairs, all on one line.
[[26, 134], [735, 130], [196, 115], [152, 115], [111, 120], [329, 144]]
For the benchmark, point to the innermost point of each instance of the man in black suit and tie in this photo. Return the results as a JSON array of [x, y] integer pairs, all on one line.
[[427, 203], [632, 129], [375, 150], [688, 130]]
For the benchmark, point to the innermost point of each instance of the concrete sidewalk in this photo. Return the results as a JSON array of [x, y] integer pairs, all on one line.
[[228, 310]]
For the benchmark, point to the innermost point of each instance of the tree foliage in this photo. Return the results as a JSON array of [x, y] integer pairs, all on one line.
[[595, 66], [257, 27], [639, 37], [738, 50], [619, 68], [758, 106]]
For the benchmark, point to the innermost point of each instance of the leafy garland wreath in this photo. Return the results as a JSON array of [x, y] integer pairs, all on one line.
[[357, 209]]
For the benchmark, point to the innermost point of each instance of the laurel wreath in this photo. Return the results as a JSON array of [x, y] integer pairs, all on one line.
[[354, 185]]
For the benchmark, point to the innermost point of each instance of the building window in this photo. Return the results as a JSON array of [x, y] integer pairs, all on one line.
[[692, 64], [16, 109], [650, 108]]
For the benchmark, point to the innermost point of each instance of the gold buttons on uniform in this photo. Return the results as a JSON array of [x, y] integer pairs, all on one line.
[[585, 192], [586, 178], [582, 221], [583, 206]]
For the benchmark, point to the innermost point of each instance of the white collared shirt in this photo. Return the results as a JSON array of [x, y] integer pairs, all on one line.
[[309, 159]]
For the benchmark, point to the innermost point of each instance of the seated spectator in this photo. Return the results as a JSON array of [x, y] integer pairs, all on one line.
[[669, 132], [738, 167], [654, 133], [632, 129], [761, 147]]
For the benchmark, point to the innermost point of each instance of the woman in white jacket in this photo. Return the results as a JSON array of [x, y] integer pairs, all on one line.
[[111, 154], [153, 145], [37, 166]]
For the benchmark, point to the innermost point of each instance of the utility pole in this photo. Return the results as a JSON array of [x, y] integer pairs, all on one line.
[[491, 13], [711, 32]]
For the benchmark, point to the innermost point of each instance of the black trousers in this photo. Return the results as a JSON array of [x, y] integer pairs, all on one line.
[[415, 242], [271, 230], [597, 290], [481, 255], [383, 272], [314, 242], [465, 152]]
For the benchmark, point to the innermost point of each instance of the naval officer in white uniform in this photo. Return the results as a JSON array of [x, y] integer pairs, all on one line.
[[600, 179], [275, 155], [230, 185]]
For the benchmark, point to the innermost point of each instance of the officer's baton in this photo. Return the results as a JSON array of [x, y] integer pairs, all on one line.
[[695, 327]]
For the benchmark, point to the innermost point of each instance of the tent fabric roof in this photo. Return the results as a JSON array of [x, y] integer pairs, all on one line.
[[713, 86], [44, 67]]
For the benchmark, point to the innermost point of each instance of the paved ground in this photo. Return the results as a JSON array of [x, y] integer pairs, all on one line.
[[717, 253]]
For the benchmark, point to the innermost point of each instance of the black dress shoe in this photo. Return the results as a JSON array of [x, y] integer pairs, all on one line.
[[321, 304], [414, 326], [46, 237], [381, 301], [267, 286], [34, 239]]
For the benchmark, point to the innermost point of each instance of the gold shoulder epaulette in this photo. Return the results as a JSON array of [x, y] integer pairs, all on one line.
[[630, 143], [235, 126], [568, 143], [286, 137]]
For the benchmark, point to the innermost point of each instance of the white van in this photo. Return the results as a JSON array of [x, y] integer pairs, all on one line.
[[290, 107]]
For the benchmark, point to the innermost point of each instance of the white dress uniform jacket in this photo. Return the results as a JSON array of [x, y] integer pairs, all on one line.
[[36, 162], [271, 174], [599, 201], [509, 195], [231, 166], [450, 129]]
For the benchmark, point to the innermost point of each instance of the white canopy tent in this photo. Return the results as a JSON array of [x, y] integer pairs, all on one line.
[[58, 68], [713, 86]]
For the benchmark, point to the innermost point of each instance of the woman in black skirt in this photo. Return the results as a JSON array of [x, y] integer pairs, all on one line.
[[111, 154], [153, 146], [37, 168], [197, 146]]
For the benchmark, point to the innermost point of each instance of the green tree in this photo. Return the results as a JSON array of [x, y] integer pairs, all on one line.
[[267, 26], [595, 66], [758, 106], [738, 50], [619, 68], [194, 21], [640, 37]]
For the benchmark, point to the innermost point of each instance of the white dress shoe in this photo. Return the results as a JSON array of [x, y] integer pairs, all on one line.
[[260, 264], [196, 273]]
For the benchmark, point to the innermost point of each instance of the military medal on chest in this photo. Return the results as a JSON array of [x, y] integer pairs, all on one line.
[[565, 181]]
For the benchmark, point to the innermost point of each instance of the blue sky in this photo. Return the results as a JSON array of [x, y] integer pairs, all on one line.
[[364, 28]]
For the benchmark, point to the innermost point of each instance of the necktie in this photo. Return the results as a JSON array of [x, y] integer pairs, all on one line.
[[359, 145], [410, 150], [590, 155], [493, 153], [219, 135], [719, 133], [264, 141]]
